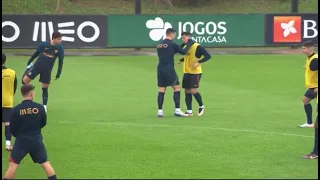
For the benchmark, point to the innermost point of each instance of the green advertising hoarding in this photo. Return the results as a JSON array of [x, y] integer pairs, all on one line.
[[208, 30]]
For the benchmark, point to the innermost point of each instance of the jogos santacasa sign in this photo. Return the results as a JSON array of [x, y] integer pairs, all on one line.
[[291, 28], [25, 31], [208, 30]]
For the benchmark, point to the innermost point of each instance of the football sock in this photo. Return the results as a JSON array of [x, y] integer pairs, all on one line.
[[52, 177], [176, 99], [188, 100], [198, 98], [160, 99], [45, 96], [308, 110], [315, 149], [7, 133]]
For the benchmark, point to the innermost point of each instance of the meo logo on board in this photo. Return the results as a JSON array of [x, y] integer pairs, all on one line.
[[287, 29]]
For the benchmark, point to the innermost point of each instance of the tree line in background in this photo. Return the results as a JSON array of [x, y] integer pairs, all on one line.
[[171, 3]]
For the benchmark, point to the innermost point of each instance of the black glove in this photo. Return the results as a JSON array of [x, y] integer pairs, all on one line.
[[58, 76]]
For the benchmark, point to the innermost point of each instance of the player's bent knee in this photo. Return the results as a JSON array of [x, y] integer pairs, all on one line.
[[306, 100], [26, 80], [13, 162], [48, 168], [13, 165], [176, 88], [45, 164], [194, 91], [45, 85], [162, 89]]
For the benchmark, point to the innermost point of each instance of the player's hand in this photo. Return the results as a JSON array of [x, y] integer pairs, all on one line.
[[57, 76], [195, 65], [315, 90]]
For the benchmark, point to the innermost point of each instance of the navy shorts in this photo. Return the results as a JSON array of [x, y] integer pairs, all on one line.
[[45, 74], [6, 114], [310, 93], [167, 78], [191, 81], [31, 145]]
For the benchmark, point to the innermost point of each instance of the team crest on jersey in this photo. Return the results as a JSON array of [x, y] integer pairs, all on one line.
[[56, 51], [29, 73]]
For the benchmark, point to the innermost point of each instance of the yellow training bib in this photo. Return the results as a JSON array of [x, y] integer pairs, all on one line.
[[189, 59], [8, 77], [311, 77]]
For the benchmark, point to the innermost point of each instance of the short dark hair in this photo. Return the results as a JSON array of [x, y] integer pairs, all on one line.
[[169, 31], [56, 35], [4, 58], [26, 89], [307, 44], [186, 34]]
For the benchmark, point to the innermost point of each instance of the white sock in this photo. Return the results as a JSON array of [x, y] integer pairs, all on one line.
[[189, 111], [201, 106], [160, 111], [177, 110], [8, 143]]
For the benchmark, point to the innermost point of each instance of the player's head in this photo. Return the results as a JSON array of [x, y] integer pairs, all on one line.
[[4, 58], [186, 36], [27, 91], [307, 48], [56, 37], [170, 33]]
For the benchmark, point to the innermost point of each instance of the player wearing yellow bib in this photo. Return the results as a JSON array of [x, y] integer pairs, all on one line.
[[9, 86], [192, 70], [311, 80], [314, 153]]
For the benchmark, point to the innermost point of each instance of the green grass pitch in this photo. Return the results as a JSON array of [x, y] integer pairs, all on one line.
[[102, 121]]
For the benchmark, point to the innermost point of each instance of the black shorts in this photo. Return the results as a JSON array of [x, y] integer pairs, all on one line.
[[191, 81], [45, 74], [167, 78], [33, 146], [6, 114], [310, 93]]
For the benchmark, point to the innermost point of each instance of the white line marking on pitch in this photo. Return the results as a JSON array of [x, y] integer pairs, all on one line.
[[191, 127]]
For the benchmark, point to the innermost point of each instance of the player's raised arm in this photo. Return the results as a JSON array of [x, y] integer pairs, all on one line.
[[182, 59], [61, 57], [204, 53], [181, 50], [37, 53]]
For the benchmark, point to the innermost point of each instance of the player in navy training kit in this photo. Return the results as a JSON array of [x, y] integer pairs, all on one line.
[[27, 120], [48, 52], [166, 73]]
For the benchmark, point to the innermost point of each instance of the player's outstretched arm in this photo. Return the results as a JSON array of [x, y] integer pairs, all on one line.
[[181, 50], [204, 53], [37, 53], [60, 66]]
